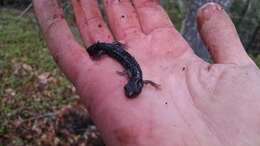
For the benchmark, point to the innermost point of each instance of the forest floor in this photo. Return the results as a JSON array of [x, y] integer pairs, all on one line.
[[38, 106]]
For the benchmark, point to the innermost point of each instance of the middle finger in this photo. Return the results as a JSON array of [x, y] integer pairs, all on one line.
[[123, 19]]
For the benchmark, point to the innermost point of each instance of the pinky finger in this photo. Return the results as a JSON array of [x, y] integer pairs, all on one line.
[[68, 54]]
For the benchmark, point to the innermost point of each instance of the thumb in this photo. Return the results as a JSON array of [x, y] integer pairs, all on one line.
[[220, 36]]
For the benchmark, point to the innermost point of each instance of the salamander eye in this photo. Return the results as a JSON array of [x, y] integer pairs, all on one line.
[[130, 94], [129, 90]]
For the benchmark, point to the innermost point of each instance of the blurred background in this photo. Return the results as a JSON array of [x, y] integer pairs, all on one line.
[[38, 106]]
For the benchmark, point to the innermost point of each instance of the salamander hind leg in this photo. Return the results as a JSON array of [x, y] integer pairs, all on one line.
[[155, 85]]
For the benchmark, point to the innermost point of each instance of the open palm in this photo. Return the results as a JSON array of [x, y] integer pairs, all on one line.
[[198, 104]]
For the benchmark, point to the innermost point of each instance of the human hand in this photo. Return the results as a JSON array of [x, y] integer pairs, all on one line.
[[199, 104]]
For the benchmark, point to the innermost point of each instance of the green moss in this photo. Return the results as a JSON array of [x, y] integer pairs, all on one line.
[[20, 38], [257, 60], [175, 12], [2, 130]]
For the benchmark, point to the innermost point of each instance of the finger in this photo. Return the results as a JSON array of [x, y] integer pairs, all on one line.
[[65, 50], [123, 19], [220, 35], [90, 22], [151, 15]]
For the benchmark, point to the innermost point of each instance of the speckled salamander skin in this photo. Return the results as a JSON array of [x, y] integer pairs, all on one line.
[[116, 50]]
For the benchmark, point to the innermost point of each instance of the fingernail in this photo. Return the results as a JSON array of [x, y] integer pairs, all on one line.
[[209, 8]]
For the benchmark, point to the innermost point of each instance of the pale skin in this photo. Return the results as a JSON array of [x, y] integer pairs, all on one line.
[[198, 104]]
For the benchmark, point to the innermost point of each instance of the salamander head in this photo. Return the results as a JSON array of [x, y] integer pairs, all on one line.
[[95, 50], [133, 88]]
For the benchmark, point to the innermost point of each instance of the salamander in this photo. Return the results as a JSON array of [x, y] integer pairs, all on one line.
[[116, 50]]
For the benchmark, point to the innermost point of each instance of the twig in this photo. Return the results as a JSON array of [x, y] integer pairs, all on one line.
[[26, 10], [47, 115]]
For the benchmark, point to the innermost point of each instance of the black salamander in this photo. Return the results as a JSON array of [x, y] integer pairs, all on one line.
[[116, 50]]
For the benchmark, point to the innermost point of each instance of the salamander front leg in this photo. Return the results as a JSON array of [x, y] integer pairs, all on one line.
[[119, 44], [124, 73]]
